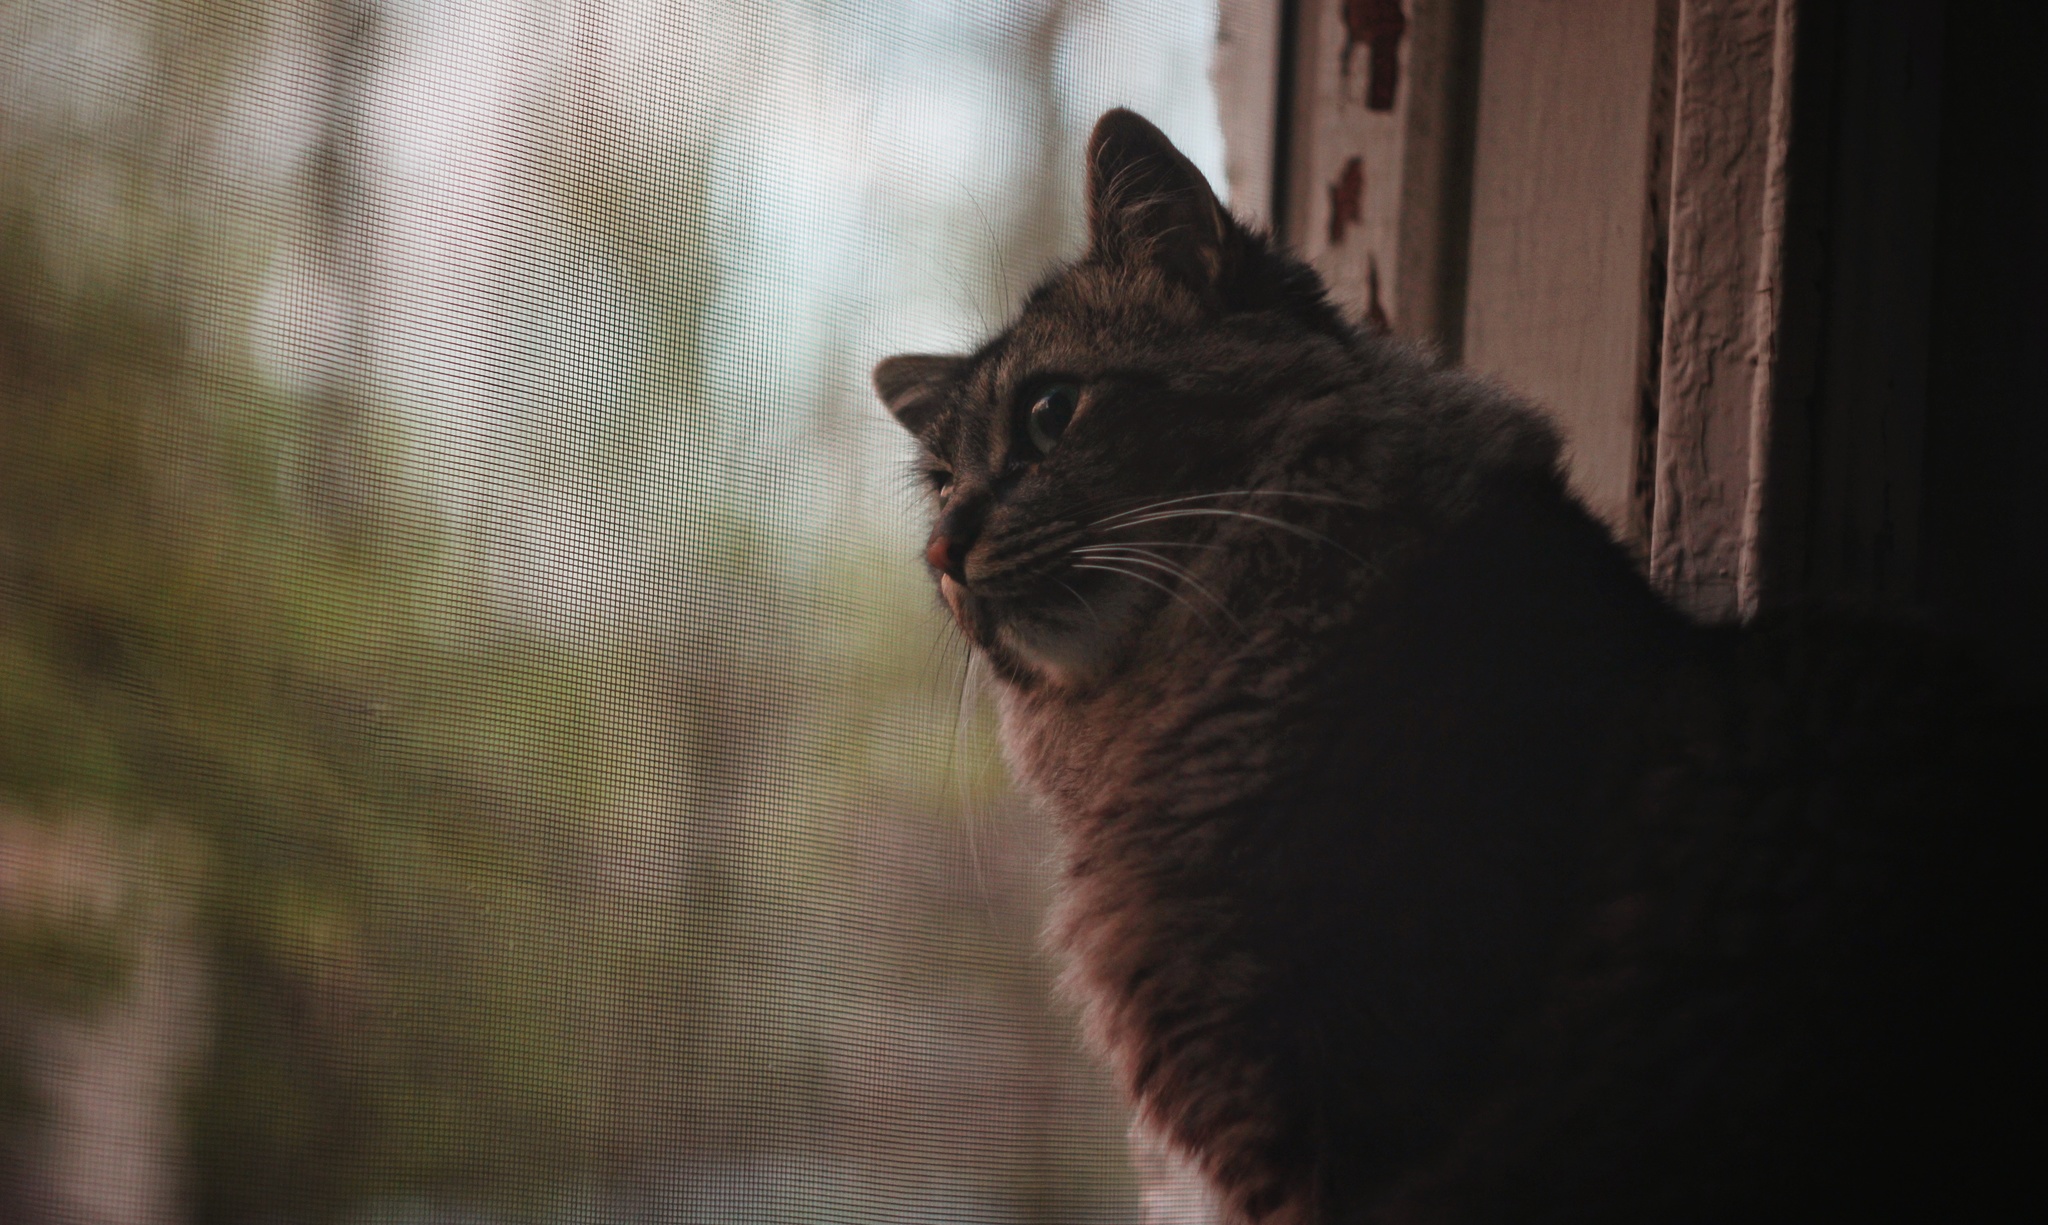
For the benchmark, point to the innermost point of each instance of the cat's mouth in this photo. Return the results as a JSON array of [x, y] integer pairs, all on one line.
[[1063, 629]]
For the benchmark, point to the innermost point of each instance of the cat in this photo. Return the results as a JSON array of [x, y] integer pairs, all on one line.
[[1420, 863]]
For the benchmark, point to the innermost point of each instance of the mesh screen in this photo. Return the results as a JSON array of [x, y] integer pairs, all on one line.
[[475, 741]]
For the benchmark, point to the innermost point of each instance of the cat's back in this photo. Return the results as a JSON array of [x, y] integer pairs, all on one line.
[[1795, 984], [1637, 920]]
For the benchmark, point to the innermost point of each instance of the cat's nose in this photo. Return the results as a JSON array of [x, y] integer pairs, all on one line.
[[954, 535], [948, 555]]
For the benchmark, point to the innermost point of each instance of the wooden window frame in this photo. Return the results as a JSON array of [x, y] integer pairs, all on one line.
[[1735, 345]]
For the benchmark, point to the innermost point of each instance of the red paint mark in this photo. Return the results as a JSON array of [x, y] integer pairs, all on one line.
[[1375, 314], [1379, 24], [1347, 199]]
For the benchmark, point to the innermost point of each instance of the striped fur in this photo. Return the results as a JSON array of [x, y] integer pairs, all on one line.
[[1420, 864]]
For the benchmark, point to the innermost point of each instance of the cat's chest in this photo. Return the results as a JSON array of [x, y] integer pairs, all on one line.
[[1169, 748], [1335, 827]]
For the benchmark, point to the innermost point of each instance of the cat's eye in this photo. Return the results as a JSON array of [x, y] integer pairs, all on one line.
[[939, 478], [1050, 414]]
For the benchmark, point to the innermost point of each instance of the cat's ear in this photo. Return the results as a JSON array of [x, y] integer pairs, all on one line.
[[914, 386], [1148, 203]]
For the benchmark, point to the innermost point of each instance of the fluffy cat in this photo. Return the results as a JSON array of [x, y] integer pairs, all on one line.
[[1421, 864]]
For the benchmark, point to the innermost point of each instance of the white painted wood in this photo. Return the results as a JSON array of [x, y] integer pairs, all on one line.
[[1764, 305], [1428, 284], [1333, 127], [1555, 292], [1716, 340]]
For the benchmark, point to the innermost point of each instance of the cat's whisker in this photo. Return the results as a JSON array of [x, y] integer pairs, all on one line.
[[971, 679], [1084, 603], [1149, 581], [1145, 557], [995, 247], [1331, 499], [945, 634], [1282, 524], [1158, 544]]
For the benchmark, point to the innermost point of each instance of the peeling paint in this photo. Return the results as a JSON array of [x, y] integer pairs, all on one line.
[[1347, 199], [1380, 25]]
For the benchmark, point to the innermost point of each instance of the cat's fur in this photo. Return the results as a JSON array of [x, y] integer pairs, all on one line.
[[1420, 863]]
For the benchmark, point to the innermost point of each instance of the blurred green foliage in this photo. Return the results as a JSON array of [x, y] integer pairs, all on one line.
[[382, 806], [490, 914]]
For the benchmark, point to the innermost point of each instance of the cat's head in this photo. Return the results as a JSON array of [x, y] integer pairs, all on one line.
[[1141, 373]]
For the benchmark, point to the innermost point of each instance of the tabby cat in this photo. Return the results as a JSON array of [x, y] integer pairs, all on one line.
[[1420, 863]]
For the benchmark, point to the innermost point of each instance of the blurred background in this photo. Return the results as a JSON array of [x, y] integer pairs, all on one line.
[[475, 742]]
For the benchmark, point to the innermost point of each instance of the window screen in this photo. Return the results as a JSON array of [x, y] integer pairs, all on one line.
[[475, 741]]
